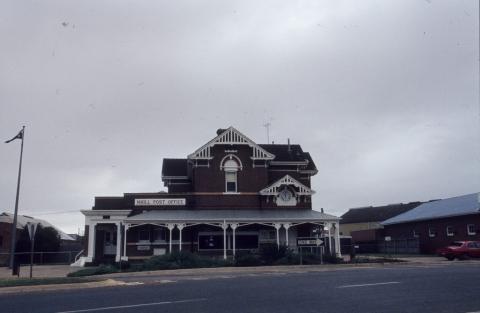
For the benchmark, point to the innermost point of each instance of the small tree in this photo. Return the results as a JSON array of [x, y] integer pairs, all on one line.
[[47, 239]]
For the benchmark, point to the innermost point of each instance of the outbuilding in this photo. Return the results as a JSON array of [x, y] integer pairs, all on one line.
[[436, 224]]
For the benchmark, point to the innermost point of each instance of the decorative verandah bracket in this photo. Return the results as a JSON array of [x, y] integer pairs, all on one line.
[[234, 226], [286, 226], [180, 227]]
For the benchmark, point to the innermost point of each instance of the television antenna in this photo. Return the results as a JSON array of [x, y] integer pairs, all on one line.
[[267, 127]]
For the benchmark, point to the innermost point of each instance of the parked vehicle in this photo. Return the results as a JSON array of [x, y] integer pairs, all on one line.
[[461, 250]]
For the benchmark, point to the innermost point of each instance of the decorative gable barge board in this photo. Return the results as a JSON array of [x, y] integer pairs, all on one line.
[[274, 188], [231, 136]]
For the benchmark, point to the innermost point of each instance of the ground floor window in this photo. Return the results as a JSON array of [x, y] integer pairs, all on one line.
[[431, 232], [214, 241], [210, 242], [160, 234], [415, 234], [246, 241], [143, 235], [471, 230], [450, 231]]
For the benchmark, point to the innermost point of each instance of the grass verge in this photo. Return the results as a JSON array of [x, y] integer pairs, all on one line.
[[44, 281]]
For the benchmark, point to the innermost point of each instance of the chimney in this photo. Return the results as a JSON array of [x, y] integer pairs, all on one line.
[[289, 149], [321, 210], [220, 130]]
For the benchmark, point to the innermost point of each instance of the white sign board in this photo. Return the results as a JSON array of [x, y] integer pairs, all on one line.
[[143, 248], [309, 242], [32, 229], [160, 202]]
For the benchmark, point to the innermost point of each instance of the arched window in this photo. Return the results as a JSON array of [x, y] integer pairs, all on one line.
[[231, 168]]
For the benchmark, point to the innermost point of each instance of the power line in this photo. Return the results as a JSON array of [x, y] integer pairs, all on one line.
[[50, 213]]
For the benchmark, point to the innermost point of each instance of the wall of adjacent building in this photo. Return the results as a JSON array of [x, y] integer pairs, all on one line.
[[429, 244]]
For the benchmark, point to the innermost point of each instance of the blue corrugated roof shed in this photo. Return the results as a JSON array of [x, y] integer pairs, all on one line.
[[456, 206]]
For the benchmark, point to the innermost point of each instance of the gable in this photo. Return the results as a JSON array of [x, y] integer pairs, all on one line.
[[231, 136], [274, 188]]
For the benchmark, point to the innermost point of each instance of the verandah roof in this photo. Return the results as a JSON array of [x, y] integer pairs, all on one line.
[[234, 215]]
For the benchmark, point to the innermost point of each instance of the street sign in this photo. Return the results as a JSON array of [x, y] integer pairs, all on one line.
[[32, 229], [309, 242]]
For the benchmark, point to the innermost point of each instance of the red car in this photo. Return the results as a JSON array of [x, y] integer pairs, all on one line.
[[461, 250]]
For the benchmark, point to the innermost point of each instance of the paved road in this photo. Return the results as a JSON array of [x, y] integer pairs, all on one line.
[[391, 289]]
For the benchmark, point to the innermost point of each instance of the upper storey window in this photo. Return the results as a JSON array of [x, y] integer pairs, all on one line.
[[231, 168]]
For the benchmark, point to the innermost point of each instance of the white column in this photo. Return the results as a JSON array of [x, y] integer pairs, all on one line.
[[91, 242], [119, 241], [180, 227], [124, 257], [277, 227], [337, 241], [170, 228], [224, 226], [329, 240], [234, 226], [286, 226]]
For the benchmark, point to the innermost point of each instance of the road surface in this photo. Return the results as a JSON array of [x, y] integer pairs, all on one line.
[[453, 288]]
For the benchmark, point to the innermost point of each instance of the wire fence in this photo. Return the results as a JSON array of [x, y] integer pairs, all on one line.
[[397, 246], [59, 257]]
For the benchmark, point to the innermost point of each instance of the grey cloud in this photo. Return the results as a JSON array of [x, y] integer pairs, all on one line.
[[383, 95]]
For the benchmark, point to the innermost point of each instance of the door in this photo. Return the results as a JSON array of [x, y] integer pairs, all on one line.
[[110, 242]]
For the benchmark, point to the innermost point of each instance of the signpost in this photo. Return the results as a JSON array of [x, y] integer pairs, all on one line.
[[309, 242], [32, 229]]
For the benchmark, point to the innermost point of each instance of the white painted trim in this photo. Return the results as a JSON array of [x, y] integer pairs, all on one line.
[[274, 189], [289, 163], [174, 177], [116, 213], [231, 136], [230, 157]]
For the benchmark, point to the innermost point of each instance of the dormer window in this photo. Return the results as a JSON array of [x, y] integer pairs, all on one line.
[[231, 168]]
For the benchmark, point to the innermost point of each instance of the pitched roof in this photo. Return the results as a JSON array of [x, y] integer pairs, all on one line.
[[174, 167], [283, 154], [376, 214], [456, 206], [22, 221]]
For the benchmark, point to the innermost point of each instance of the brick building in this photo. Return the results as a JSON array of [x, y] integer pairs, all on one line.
[[230, 194], [438, 223]]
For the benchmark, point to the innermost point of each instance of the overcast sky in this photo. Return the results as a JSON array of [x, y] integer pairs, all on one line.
[[383, 94]]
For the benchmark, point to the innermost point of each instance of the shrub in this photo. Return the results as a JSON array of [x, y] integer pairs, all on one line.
[[182, 259], [247, 259], [102, 269], [290, 258], [269, 253]]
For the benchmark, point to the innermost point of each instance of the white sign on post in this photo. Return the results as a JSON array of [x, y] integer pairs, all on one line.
[[32, 229]]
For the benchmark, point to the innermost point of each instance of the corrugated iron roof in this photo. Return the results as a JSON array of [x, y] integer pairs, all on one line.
[[376, 214], [456, 206], [22, 221], [232, 215]]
